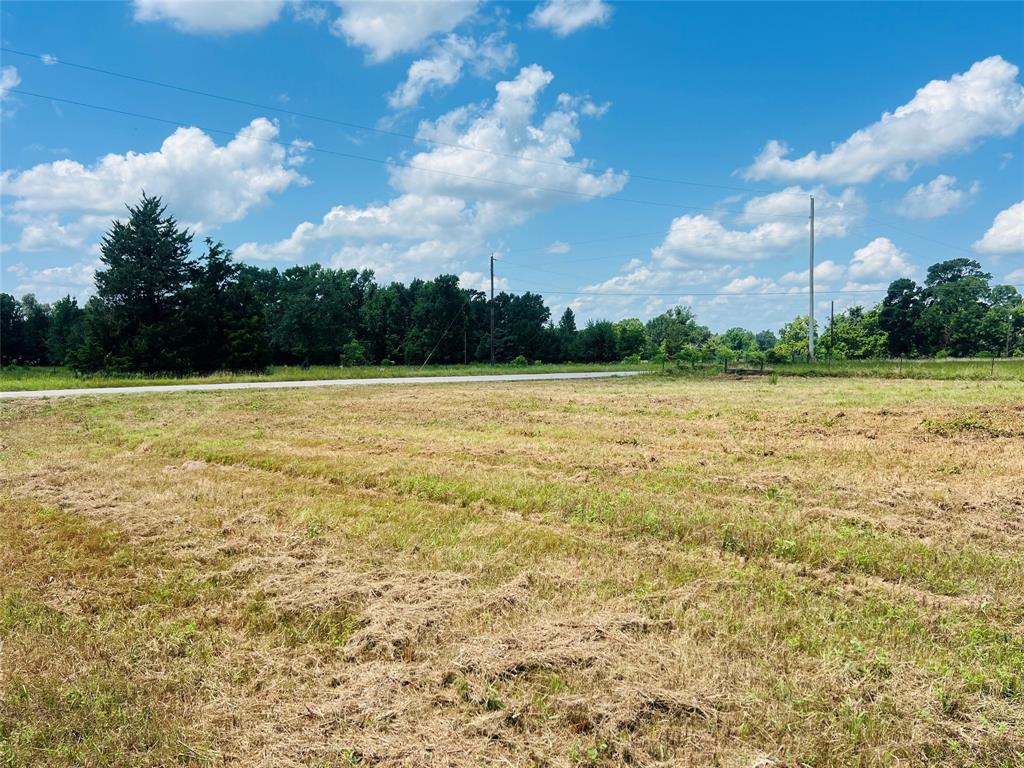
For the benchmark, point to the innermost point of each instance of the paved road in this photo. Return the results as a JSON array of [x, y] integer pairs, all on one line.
[[315, 383]]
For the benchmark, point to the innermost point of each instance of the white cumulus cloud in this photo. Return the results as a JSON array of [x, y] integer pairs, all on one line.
[[9, 78], [448, 199], [936, 198], [445, 66], [59, 204], [478, 281], [1006, 235], [945, 116], [214, 17], [563, 17], [525, 166], [50, 283], [386, 29], [776, 221], [879, 260]]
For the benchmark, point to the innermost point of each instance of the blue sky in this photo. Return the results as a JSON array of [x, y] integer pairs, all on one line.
[[618, 158]]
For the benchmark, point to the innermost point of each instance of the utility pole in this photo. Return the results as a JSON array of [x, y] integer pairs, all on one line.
[[832, 334], [492, 309], [1009, 327], [810, 274]]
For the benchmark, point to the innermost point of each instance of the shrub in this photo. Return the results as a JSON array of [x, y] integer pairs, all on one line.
[[520, 361], [352, 354]]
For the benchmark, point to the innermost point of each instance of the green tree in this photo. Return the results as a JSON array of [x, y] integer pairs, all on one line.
[[766, 340], [674, 328], [856, 334], [67, 330], [385, 318], [226, 322], [630, 338], [134, 322], [596, 342], [955, 299], [792, 343], [900, 316], [566, 332], [12, 330], [440, 321], [739, 340], [37, 329]]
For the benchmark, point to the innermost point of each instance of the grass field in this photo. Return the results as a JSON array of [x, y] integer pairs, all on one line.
[[646, 572], [14, 378]]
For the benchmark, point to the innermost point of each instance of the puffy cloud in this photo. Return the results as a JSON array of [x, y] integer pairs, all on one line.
[[936, 198], [444, 67], [206, 185], [519, 165], [824, 272], [782, 218], [50, 283], [309, 11], [216, 17], [699, 238], [563, 17], [703, 254], [406, 217], [9, 78], [833, 215], [945, 116], [524, 167], [1006, 235], [385, 29], [1014, 278], [47, 234], [478, 281], [879, 260]]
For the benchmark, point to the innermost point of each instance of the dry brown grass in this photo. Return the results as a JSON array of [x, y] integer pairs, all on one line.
[[638, 573]]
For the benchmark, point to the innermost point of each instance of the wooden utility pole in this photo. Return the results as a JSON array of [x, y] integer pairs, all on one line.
[[492, 309], [810, 277], [832, 334]]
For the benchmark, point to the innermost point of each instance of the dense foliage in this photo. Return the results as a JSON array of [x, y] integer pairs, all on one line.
[[156, 308]]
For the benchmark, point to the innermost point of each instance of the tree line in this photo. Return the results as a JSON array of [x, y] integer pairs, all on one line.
[[159, 309]]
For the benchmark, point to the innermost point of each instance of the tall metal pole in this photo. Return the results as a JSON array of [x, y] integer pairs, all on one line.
[[810, 273], [492, 309], [832, 334]]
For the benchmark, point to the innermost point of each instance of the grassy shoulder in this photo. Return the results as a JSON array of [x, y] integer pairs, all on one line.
[[23, 378], [974, 369]]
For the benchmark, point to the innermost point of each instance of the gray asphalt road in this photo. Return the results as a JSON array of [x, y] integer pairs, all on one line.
[[321, 383]]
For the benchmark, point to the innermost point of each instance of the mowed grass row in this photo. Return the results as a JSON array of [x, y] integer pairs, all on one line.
[[825, 572], [33, 378]]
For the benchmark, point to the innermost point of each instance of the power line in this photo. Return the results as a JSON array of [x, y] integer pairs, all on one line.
[[366, 158], [800, 294], [860, 228], [890, 225], [372, 129], [436, 142]]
